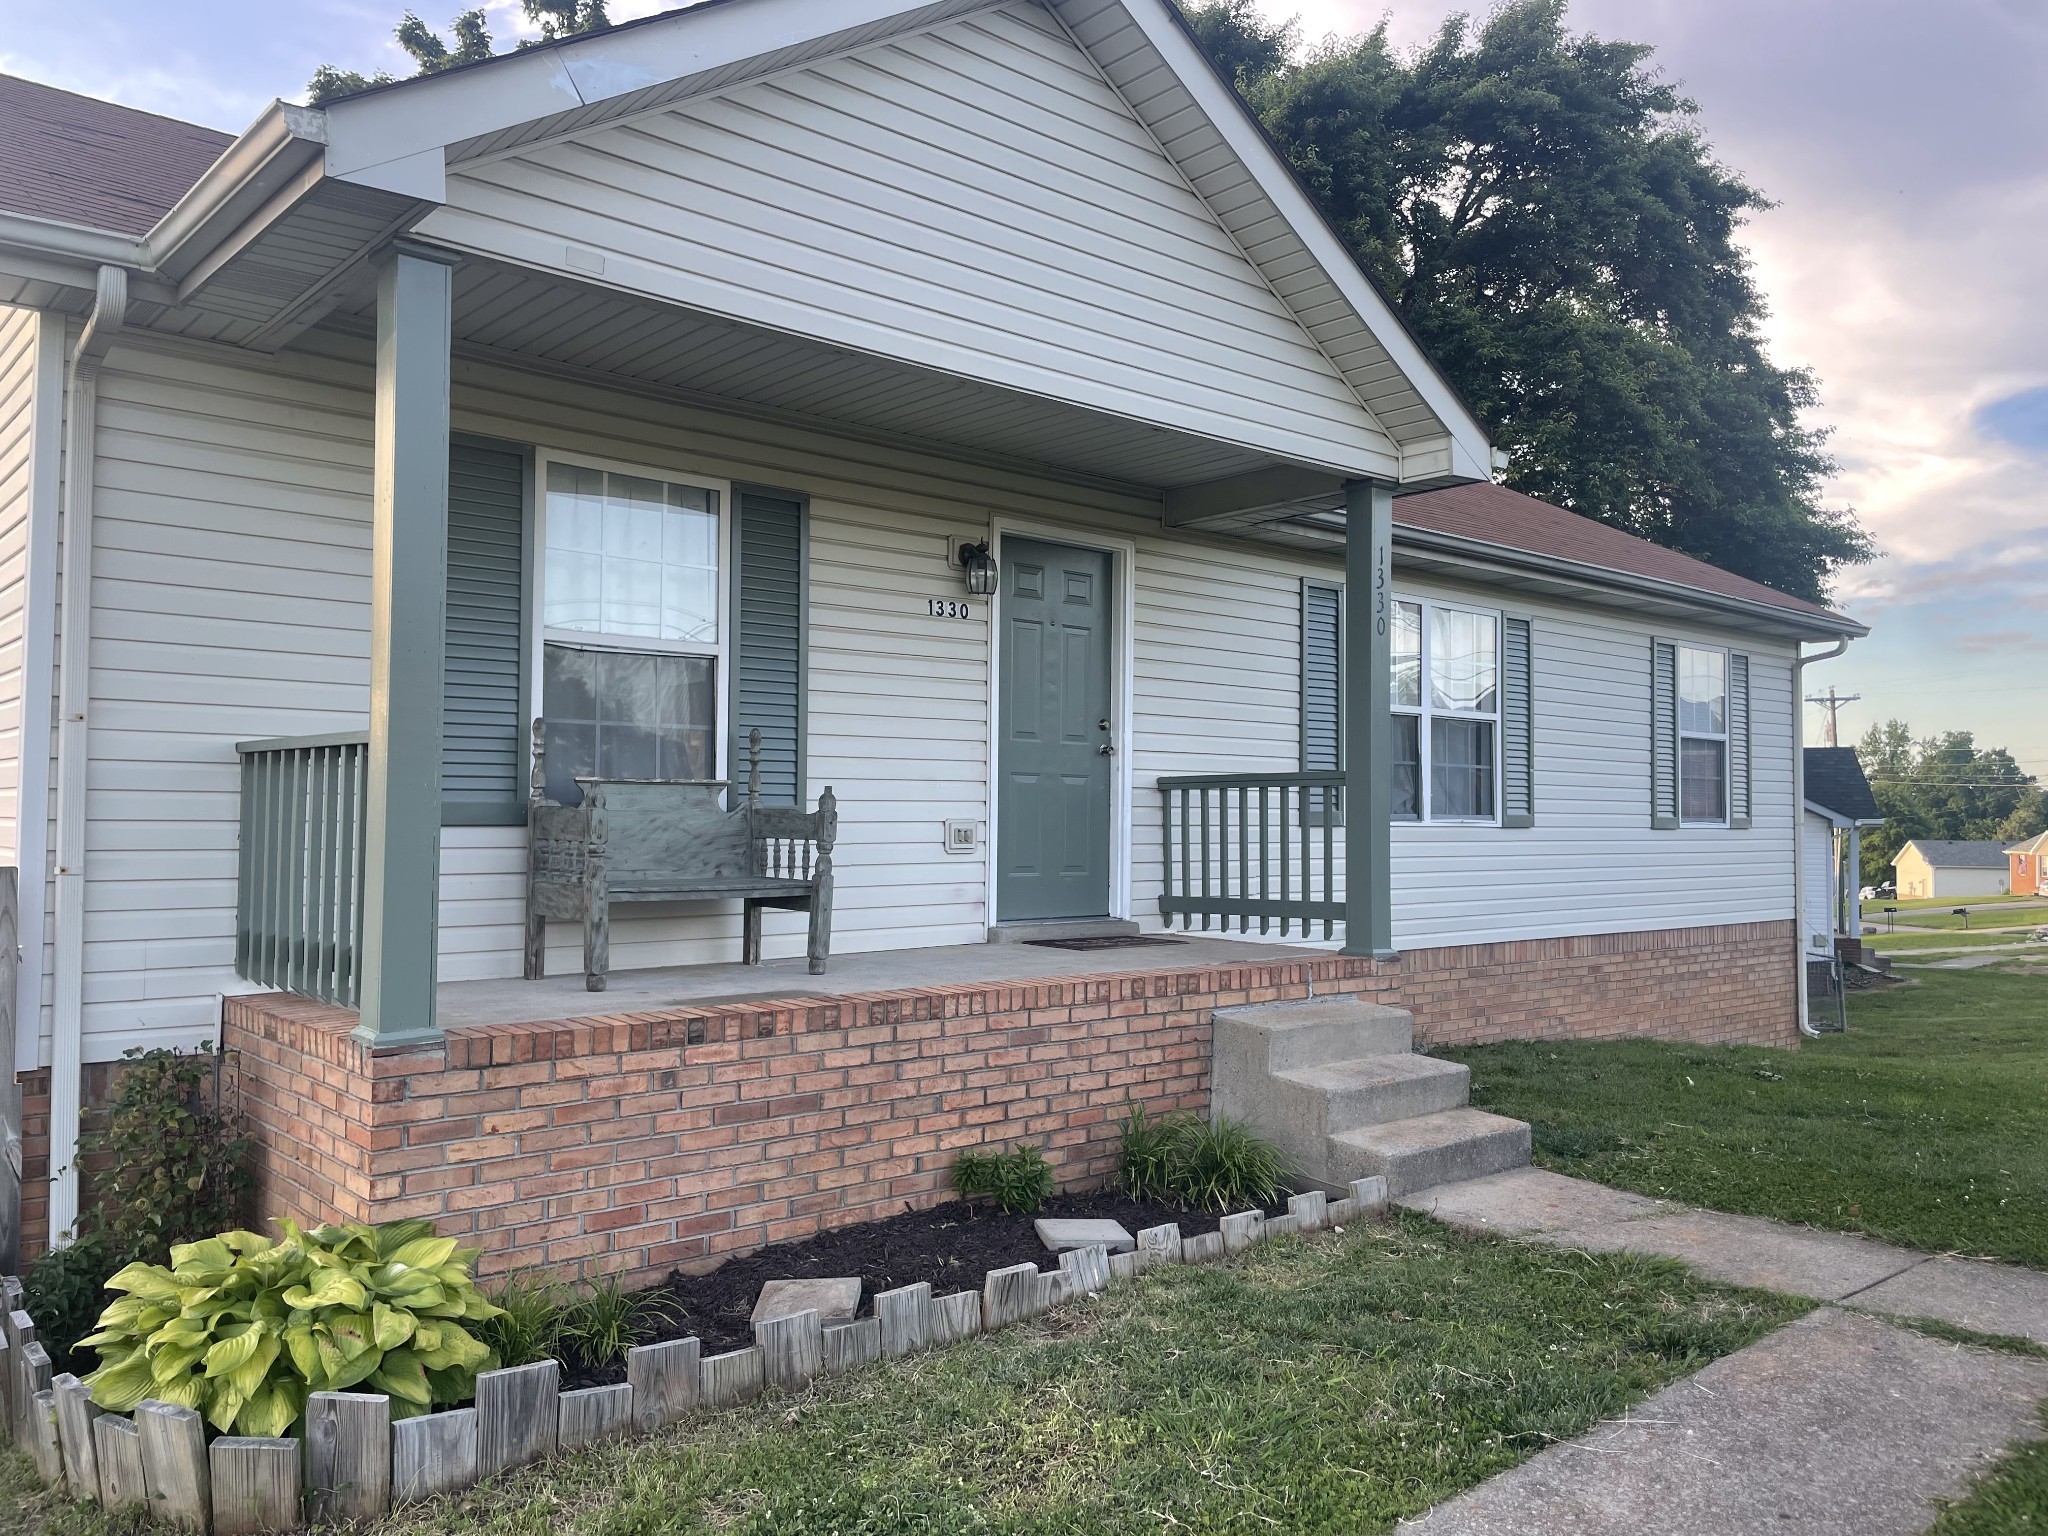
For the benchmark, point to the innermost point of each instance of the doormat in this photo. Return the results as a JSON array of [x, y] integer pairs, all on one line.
[[1105, 941]]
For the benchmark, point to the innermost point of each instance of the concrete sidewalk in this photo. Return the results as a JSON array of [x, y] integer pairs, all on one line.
[[1748, 1250], [1838, 1425]]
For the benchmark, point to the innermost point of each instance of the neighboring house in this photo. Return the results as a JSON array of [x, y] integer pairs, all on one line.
[[2027, 872], [1840, 808], [674, 383], [1939, 868]]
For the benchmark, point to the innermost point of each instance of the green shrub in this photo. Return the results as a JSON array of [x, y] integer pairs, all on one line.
[[1151, 1154], [529, 1321], [64, 1291], [1224, 1167], [242, 1328], [1017, 1181], [607, 1319], [175, 1162]]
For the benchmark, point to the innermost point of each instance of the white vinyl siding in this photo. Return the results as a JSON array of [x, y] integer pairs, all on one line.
[[17, 385], [974, 199], [231, 602]]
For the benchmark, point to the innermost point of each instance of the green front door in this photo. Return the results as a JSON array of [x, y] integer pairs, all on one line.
[[1054, 756]]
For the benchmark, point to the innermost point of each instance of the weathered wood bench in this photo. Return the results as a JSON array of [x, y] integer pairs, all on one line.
[[644, 840]]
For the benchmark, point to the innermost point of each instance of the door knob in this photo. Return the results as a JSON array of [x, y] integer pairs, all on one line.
[[1104, 750]]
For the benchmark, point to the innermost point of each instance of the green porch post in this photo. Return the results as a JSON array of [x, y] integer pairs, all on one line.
[[1368, 769], [408, 601]]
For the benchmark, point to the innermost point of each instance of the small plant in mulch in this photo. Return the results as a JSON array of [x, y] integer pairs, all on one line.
[[607, 1320], [1016, 1182], [1180, 1160]]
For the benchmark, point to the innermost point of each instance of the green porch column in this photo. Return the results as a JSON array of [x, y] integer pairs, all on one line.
[[408, 601], [1368, 771]]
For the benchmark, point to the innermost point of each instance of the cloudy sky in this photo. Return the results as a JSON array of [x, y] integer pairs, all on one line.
[[1903, 142]]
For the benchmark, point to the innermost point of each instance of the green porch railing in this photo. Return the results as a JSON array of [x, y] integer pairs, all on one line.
[[299, 896], [1253, 846]]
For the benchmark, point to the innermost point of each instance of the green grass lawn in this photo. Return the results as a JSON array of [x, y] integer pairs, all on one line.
[[1944, 903], [1925, 1125], [1331, 1384], [1981, 916]]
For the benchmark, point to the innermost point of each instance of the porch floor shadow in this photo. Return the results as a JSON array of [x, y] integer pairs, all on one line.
[[476, 1004]]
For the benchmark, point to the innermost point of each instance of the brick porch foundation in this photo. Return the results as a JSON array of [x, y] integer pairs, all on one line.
[[646, 1141]]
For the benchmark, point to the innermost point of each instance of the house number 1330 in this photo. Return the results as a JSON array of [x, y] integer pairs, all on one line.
[[948, 608]]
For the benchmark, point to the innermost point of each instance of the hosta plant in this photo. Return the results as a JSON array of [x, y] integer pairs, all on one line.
[[242, 1327]]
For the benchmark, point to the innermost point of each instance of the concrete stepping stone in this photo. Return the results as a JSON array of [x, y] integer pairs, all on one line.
[[1060, 1233], [833, 1300]]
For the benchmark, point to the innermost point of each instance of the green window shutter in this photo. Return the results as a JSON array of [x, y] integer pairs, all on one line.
[[1517, 723], [1738, 741], [1322, 677], [770, 559], [1663, 734], [483, 702]]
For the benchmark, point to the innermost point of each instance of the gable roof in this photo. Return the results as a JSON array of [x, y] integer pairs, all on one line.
[[79, 160], [1943, 853], [1834, 778], [2038, 843]]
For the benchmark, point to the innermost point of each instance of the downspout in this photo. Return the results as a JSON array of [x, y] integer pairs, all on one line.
[[74, 692], [1799, 665]]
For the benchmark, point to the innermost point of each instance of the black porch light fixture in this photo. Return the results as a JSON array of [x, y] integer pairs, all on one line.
[[979, 567]]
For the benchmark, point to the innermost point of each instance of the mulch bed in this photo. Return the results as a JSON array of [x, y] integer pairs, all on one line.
[[951, 1246]]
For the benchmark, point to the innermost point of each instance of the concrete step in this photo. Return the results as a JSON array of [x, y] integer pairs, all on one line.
[[1063, 928], [1260, 1038], [1373, 1091], [1443, 1148]]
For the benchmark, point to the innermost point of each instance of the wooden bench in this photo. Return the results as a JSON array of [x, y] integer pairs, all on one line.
[[672, 840]]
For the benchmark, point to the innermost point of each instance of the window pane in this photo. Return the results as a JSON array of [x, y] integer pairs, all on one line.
[[626, 715], [1702, 779], [1405, 801], [1460, 768], [1406, 645], [1702, 691], [1464, 665], [628, 555]]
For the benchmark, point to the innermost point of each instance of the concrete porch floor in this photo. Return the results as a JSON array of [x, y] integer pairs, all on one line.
[[476, 1004]]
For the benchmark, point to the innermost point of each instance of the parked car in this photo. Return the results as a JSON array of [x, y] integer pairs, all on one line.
[[1888, 891]]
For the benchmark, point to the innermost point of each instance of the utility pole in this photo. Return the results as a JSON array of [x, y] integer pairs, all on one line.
[[1833, 702]]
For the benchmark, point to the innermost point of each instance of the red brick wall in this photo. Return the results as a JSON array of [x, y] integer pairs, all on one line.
[[646, 1141]]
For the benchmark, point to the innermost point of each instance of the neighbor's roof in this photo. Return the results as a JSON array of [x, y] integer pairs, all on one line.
[[79, 160], [1494, 514], [1945, 854], [1834, 778], [2038, 843]]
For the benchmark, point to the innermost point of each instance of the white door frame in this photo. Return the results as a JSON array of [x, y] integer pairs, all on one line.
[[1123, 555]]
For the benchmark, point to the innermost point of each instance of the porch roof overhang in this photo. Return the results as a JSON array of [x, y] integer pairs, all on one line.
[[279, 236]]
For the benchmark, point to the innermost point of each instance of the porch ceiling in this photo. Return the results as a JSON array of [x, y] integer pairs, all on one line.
[[506, 313]]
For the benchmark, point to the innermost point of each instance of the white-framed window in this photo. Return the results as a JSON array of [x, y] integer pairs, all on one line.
[[1446, 692], [632, 622], [1703, 736]]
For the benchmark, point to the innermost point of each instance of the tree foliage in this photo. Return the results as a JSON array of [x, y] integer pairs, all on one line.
[[1544, 213], [1943, 786], [471, 43]]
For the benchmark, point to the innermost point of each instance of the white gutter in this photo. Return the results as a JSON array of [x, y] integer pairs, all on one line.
[[1799, 665], [74, 694]]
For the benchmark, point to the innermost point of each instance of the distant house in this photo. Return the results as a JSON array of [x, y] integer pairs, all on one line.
[[1931, 867], [2027, 866], [1840, 808]]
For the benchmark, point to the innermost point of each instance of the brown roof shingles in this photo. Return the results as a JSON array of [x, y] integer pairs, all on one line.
[[1493, 514], [80, 160]]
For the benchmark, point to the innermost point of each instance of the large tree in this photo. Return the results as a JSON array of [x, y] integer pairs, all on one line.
[[471, 43], [1546, 216], [1943, 786]]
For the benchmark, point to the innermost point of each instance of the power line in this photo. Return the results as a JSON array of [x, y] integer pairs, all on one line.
[[1833, 703]]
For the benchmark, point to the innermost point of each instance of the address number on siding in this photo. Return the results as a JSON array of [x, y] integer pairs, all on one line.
[[948, 608]]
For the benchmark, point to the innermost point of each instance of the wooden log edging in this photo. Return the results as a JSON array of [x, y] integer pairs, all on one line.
[[357, 1462]]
